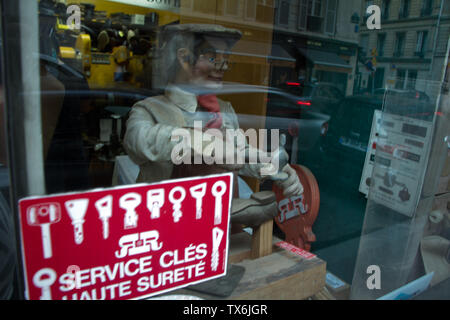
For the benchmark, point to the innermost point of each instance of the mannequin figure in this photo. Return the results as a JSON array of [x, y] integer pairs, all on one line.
[[196, 55]]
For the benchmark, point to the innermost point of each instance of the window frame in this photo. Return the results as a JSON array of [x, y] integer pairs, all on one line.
[[326, 18], [399, 48], [421, 42]]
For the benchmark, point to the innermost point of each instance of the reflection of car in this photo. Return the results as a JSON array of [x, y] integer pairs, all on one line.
[[411, 103], [344, 148], [298, 121], [406, 94], [317, 97]]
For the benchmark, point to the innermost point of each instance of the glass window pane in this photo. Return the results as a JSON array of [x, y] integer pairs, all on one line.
[[97, 96]]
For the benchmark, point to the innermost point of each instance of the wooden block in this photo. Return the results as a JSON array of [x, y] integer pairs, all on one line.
[[281, 275], [243, 245], [262, 240]]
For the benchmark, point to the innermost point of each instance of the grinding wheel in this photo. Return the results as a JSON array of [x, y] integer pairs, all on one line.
[[297, 214]]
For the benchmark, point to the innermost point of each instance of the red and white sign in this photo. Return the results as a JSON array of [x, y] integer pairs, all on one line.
[[298, 251], [126, 243]]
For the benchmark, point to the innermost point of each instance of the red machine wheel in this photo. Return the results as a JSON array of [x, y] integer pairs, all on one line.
[[296, 215]]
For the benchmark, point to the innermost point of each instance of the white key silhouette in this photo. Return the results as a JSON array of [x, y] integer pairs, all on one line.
[[155, 200], [104, 208], [217, 235], [77, 210], [177, 213], [218, 190], [198, 192], [129, 202], [43, 215], [44, 279]]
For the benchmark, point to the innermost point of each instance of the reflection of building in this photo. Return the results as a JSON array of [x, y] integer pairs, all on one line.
[[409, 50], [320, 35], [312, 39]]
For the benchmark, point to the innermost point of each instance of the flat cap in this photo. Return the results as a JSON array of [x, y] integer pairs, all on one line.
[[231, 36]]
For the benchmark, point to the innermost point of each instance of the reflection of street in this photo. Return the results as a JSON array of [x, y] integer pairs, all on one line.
[[339, 222]]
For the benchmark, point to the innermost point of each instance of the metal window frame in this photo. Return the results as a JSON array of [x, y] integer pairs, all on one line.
[[20, 35]]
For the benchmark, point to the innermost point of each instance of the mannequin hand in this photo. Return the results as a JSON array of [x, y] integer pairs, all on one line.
[[288, 180]]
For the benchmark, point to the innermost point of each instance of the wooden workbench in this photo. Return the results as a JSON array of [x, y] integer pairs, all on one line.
[[281, 275]]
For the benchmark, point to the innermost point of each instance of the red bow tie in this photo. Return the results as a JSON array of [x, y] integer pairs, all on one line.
[[210, 103]]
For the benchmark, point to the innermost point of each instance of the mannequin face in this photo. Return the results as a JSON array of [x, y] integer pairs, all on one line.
[[211, 64]]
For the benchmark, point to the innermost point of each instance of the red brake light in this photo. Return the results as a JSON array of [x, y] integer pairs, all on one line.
[[304, 103], [296, 84]]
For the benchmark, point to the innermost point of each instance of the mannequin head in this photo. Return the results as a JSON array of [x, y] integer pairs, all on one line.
[[206, 65], [197, 54]]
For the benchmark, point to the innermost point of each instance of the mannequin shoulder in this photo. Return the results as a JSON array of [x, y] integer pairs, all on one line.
[[150, 103], [225, 106]]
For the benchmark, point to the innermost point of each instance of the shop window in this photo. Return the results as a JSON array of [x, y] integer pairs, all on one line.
[[101, 83]]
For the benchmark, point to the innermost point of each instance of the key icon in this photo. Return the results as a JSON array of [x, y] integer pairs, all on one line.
[[44, 279], [130, 202], [198, 192], [104, 209], [217, 239], [77, 210], [218, 190], [43, 215], [155, 200], [176, 201]]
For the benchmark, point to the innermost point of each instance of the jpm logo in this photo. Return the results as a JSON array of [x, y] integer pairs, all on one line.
[[374, 18], [74, 19], [138, 243]]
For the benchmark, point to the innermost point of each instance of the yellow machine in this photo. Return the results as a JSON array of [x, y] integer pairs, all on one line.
[[103, 50]]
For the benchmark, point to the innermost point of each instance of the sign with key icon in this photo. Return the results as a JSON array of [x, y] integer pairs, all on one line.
[[128, 242]]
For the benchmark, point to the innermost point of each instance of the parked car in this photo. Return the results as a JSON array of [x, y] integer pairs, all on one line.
[[344, 148], [342, 152], [296, 120], [317, 97], [412, 103]]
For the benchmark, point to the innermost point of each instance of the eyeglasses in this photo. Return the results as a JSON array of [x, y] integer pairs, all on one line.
[[223, 64]]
